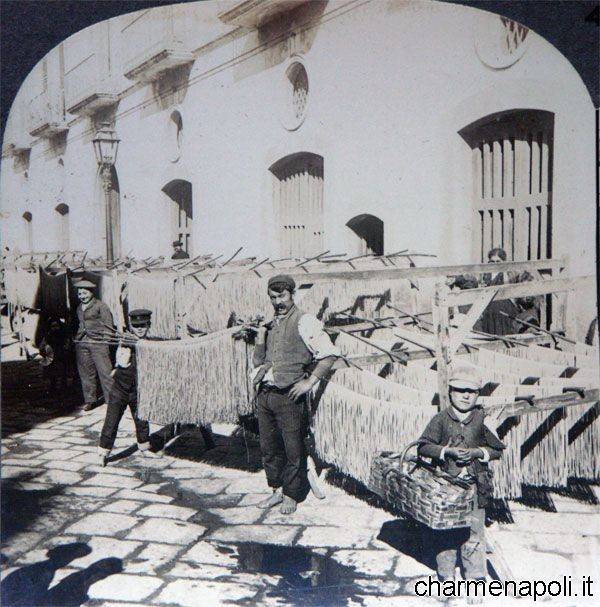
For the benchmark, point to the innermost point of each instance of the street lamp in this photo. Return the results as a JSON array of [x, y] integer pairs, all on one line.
[[106, 145]]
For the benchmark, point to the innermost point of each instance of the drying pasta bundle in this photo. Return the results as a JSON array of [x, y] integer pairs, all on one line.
[[197, 381], [351, 429], [583, 453], [544, 449], [370, 384], [112, 282], [155, 294], [507, 473], [21, 287]]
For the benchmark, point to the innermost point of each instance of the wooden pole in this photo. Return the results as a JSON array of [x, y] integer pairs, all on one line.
[[441, 328]]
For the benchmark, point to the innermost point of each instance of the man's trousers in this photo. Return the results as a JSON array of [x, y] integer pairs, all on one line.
[[114, 414], [94, 359], [283, 425]]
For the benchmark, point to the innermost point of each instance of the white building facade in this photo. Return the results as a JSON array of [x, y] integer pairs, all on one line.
[[291, 128]]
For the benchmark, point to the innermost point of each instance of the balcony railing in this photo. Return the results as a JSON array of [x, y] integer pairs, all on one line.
[[162, 41], [86, 88], [254, 13], [46, 118]]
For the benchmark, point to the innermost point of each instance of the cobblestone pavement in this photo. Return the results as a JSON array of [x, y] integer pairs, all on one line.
[[184, 529]]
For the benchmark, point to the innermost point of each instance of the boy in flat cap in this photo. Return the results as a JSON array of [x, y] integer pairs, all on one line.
[[458, 440], [95, 322], [283, 354], [124, 392]]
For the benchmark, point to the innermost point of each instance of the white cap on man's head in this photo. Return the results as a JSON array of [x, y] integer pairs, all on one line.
[[464, 375]]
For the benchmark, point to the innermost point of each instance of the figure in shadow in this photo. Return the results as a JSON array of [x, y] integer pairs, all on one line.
[[29, 585]]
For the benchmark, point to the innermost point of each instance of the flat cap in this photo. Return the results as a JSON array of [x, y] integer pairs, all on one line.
[[84, 284], [463, 375], [282, 279], [140, 316]]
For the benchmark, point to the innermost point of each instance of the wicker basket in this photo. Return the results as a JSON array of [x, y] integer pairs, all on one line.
[[422, 491]]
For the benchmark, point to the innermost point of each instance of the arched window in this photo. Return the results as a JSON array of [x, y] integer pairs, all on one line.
[[63, 226], [367, 231], [297, 83], [179, 196], [175, 136], [28, 231], [298, 197], [512, 183]]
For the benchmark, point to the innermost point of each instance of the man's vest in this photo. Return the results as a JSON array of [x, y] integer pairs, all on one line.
[[286, 351]]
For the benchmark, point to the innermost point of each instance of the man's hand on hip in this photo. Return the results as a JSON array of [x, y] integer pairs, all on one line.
[[302, 387]]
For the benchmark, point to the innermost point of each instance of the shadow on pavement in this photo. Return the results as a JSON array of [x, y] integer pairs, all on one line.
[[27, 400], [235, 451], [29, 585], [20, 508], [410, 538]]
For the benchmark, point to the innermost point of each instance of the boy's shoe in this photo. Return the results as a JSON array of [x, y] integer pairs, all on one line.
[[144, 448], [103, 455]]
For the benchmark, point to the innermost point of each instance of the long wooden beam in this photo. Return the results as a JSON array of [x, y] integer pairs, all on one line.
[[429, 271], [547, 403], [522, 289], [382, 359]]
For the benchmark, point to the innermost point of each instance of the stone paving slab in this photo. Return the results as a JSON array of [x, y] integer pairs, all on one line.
[[112, 480], [102, 523], [236, 516], [132, 494], [345, 537], [280, 534], [210, 553], [166, 531], [135, 587], [179, 513], [186, 592], [100, 492], [122, 506], [151, 558]]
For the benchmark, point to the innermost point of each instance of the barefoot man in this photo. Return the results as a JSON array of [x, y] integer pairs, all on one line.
[[283, 353]]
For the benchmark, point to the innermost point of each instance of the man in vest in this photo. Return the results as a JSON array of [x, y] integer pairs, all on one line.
[[95, 323], [283, 352]]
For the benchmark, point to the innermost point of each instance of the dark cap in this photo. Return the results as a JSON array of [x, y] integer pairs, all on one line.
[[140, 317], [84, 284], [177, 243], [282, 280]]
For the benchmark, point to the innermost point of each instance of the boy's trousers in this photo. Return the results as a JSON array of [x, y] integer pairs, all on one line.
[[468, 542]]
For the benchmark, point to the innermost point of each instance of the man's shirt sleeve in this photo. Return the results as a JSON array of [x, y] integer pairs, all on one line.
[[314, 337]]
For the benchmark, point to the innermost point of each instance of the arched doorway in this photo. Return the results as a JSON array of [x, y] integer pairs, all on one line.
[[512, 183], [367, 231], [179, 197], [62, 211], [28, 231], [298, 198]]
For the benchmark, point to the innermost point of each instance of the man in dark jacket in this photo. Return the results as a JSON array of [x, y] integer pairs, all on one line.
[[283, 353], [179, 252], [93, 357]]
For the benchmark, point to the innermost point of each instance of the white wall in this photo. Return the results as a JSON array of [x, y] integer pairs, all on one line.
[[391, 84]]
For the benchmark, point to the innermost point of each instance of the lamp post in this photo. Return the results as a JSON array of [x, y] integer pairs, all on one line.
[[106, 145]]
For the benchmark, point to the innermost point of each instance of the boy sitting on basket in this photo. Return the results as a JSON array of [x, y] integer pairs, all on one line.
[[458, 440]]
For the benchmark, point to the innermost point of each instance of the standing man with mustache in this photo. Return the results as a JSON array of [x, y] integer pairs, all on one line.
[[282, 356]]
